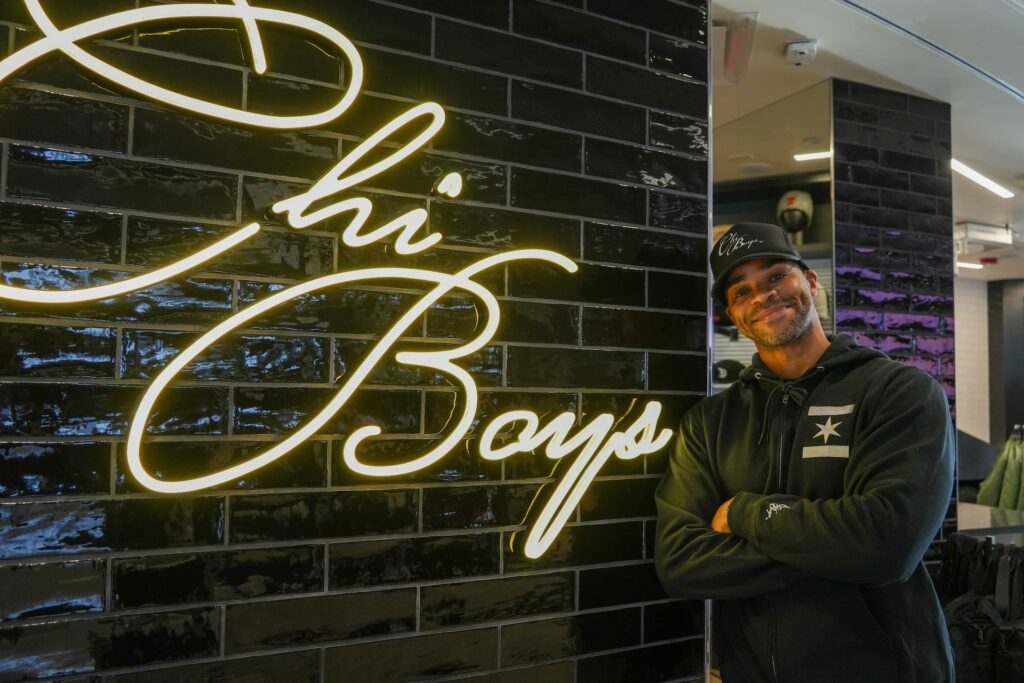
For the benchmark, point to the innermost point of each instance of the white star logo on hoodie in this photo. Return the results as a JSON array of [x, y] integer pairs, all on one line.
[[828, 429]]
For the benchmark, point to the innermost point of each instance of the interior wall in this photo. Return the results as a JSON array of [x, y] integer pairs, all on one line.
[[578, 130], [970, 308]]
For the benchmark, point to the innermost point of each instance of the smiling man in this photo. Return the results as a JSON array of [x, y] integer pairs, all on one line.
[[804, 497]]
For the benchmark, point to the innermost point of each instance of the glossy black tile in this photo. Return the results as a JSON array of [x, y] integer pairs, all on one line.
[[181, 137], [202, 577], [857, 235], [869, 135], [885, 259], [521, 321], [46, 590], [499, 51], [485, 366], [650, 88], [579, 196], [474, 507], [908, 201], [415, 658], [490, 12], [578, 29], [907, 123], [937, 264], [45, 351], [630, 246], [320, 619], [373, 563], [424, 80], [443, 259], [678, 212], [508, 141], [461, 463], [547, 367], [583, 545], [210, 83], [875, 96], [908, 162], [282, 410], [643, 329], [568, 636], [667, 662], [369, 22], [679, 57], [481, 182], [296, 667], [676, 372], [49, 118], [45, 232], [610, 586], [70, 527], [619, 498], [214, 43], [322, 515], [84, 410], [938, 225], [491, 404], [350, 311], [189, 301], [180, 460], [679, 133], [474, 602], [664, 16], [643, 165], [39, 173], [60, 649], [590, 283], [54, 469], [576, 111], [854, 112], [479, 226], [559, 672], [882, 218], [677, 291], [909, 241], [245, 358], [930, 108], [940, 187]]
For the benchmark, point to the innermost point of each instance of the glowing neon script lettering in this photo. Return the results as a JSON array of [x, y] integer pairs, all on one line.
[[596, 440], [65, 41], [597, 447], [436, 360]]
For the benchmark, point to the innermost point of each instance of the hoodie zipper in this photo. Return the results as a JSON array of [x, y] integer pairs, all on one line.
[[771, 639], [782, 441]]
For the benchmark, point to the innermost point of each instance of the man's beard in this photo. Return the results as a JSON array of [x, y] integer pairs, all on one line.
[[792, 332]]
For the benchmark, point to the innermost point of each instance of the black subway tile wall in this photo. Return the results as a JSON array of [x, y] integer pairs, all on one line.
[[579, 128], [894, 229]]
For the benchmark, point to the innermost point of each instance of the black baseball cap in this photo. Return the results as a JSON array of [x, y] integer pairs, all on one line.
[[746, 242]]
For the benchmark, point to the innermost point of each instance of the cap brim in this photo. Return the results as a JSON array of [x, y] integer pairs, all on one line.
[[717, 288]]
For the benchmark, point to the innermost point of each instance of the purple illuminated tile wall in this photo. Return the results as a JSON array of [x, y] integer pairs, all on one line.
[[579, 130], [894, 230]]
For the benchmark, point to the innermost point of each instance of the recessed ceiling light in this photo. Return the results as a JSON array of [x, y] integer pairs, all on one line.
[[989, 184], [969, 266], [811, 156]]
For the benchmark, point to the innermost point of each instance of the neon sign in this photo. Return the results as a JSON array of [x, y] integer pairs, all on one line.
[[595, 442]]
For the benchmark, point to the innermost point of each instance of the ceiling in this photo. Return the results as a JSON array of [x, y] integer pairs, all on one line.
[[965, 53]]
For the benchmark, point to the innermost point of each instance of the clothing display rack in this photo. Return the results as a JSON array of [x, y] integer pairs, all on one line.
[[1004, 486]]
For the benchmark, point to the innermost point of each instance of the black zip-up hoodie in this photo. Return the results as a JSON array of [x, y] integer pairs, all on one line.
[[841, 479]]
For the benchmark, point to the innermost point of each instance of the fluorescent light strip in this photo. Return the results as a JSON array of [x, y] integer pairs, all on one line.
[[969, 266], [989, 184], [811, 156]]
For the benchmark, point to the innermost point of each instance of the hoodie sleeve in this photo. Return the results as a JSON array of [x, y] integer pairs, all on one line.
[[899, 481], [692, 560]]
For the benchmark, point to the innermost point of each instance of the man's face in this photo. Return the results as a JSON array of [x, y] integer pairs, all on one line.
[[770, 301]]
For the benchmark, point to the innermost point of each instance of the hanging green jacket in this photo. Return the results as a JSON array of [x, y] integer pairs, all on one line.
[[1002, 487], [840, 480]]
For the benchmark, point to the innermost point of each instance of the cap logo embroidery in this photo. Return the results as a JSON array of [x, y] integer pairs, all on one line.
[[733, 242]]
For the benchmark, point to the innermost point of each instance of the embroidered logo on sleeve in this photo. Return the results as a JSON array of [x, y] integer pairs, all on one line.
[[827, 429], [772, 508]]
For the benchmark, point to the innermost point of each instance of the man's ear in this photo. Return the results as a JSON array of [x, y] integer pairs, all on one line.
[[812, 280]]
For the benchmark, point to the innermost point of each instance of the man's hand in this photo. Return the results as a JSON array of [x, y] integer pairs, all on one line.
[[720, 522]]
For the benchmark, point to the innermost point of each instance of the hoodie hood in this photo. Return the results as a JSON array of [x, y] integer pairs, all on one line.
[[842, 351]]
